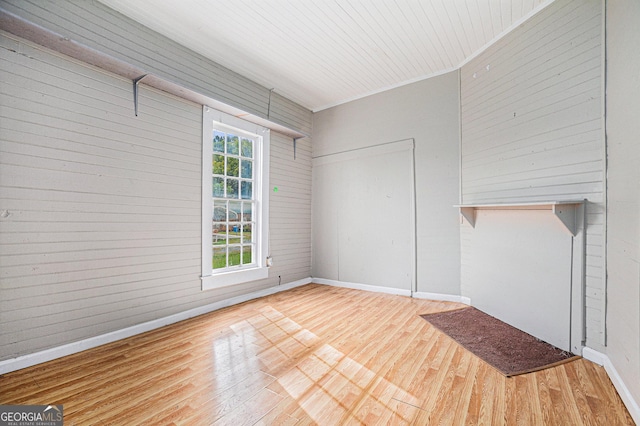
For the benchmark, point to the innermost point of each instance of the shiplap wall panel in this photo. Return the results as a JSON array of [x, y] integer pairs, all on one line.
[[103, 226], [109, 31], [532, 127], [290, 209], [623, 198], [50, 294], [105, 30]]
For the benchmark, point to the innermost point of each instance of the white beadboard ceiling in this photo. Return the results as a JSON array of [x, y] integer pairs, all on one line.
[[322, 53]]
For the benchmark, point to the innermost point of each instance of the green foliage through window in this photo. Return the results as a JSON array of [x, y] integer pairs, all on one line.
[[233, 200]]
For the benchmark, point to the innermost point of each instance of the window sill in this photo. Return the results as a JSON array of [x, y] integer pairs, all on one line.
[[232, 278]]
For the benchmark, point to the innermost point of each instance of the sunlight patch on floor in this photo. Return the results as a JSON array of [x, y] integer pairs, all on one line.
[[328, 385]]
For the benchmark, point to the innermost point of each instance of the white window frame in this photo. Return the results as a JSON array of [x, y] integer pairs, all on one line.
[[216, 279]]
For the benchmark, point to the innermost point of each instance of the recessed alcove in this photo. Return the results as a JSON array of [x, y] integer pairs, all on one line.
[[523, 262]]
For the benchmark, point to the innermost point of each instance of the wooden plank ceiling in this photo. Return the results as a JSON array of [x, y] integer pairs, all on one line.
[[322, 53]]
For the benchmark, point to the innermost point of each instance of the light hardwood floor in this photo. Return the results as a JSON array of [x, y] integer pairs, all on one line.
[[311, 355]]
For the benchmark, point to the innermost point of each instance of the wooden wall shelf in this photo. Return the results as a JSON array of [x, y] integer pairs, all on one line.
[[565, 211]]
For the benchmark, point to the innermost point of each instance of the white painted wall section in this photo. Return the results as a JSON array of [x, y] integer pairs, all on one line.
[[426, 112], [522, 267], [532, 130], [364, 223], [623, 212], [100, 228]]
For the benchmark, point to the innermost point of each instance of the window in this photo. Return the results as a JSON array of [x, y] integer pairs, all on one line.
[[234, 200]]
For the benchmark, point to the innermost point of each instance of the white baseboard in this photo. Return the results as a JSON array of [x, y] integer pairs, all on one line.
[[601, 359], [442, 297], [29, 360], [593, 355], [365, 287], [397, 291]]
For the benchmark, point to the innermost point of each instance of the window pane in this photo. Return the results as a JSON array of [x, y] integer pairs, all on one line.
[[219, 234], [218, 141], [232, 166], [247, 148], [219, 210], [234, 255], [234, 234], [235, 211], [218, 187], [218, 164], [219, 257], [247, 254], [246, 190], [232, 188], [247, 212], [247, 169], [247, 234], [233, 143]]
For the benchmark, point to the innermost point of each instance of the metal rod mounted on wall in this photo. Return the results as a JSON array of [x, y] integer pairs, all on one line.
[[295, 141], [135, 92], [269, 103]]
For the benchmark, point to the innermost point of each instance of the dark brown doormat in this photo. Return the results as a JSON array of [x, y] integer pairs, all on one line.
[[509, 350]]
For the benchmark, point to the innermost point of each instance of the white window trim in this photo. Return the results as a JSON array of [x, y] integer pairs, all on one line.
[[209, 279]]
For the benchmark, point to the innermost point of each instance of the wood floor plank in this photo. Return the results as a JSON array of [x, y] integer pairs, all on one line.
[[480, 405], [546, 406], [311, 355], [467, 380], [606, 396]]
